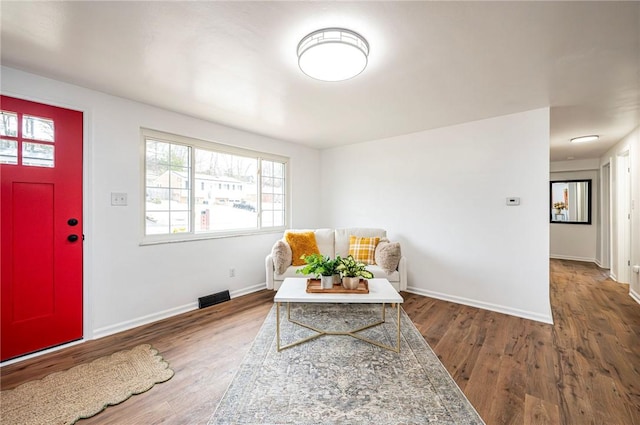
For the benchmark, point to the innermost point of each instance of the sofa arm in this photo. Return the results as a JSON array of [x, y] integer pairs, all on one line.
[[269, 268], [402, 269]]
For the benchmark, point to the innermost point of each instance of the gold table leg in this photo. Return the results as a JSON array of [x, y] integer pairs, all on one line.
[[352, 333], [278, 325]]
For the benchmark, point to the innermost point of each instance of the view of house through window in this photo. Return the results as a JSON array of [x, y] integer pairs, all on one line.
[[192, 188], [228, 200]]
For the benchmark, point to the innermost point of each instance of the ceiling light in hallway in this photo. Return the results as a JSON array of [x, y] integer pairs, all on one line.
[[584, 139]]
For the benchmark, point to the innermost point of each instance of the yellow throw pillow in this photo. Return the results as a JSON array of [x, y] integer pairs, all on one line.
[[301, 244], [363, 250]]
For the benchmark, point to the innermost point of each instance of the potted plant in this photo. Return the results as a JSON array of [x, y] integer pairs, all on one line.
[[559, 206], [321, 267], [352, 271]]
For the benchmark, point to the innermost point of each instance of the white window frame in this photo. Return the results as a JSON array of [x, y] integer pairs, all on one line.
[[193, 143]]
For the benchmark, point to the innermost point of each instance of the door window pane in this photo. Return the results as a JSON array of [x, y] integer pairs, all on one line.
[[8, 124], [37, 154], [37, 128], [8, 151]]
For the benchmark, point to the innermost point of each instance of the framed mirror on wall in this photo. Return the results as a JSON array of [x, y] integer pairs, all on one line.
[[570, 201]]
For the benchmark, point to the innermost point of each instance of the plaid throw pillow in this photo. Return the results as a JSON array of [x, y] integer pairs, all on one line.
[[363, 250]]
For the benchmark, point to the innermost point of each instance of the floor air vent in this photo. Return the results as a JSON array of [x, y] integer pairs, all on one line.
[[210, 300]]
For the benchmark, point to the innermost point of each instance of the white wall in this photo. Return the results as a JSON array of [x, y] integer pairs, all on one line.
[[442, 194], [576, 241], [631, 144], [127, 284]]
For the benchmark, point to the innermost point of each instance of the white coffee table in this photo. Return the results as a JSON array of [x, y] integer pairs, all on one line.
[[294, 290]]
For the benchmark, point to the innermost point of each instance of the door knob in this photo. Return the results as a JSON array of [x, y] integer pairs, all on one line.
[[72, 221], [72, 238]]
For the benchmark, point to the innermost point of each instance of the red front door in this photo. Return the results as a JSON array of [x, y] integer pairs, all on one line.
[[41, 219]]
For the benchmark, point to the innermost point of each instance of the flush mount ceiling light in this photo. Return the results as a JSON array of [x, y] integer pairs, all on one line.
[[333, 54], [584, 139]]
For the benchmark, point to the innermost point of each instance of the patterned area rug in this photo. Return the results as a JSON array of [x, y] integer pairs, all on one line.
[[84, 390], [338, 379]]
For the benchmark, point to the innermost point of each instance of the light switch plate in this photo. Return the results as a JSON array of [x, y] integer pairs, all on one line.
[[118, 199], [511, 201]]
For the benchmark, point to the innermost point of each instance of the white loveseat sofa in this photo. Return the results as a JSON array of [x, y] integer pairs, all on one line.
[[332, 242]]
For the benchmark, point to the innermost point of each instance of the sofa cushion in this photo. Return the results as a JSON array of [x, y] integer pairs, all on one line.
[[363, 249], [342, 237], [324, 239], [387, 255], [281, 254], [379, 273], [301, 244]]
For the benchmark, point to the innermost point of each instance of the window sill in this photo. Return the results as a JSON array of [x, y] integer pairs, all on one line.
[[189, 237]]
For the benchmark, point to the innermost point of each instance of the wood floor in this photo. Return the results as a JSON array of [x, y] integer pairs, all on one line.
[[584, 369]]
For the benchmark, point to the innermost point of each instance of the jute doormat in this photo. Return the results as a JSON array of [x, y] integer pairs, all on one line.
[[84, 390]]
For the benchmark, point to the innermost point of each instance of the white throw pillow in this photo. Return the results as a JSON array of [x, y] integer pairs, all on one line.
[[388, 255], [281, 254]]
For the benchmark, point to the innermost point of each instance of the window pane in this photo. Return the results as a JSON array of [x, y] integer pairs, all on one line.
[[278, 202], [179, 222], [267, 168], [267, 218], [154, 173], [273, 194], [157, 199], [278, 218], [278, 169], [168, 188], [37, 154], [180, 156], [8, 152], [9, 124], [225, 187], [157, 222], [179, 200], [156, 153], [272, 218], [37, 128]]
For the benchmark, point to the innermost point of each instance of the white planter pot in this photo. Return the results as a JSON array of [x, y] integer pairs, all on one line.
[[326, 282]]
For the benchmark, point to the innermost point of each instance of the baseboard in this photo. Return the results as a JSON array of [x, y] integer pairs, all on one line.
[[634, 295], [150, 318], [572, 258], [483, 305], [143, 320], [248, 290]]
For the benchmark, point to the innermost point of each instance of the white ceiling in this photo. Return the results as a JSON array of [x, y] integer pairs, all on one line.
[[432, 64]]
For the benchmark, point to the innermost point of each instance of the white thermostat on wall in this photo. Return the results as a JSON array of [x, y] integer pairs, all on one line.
[[513, 201]]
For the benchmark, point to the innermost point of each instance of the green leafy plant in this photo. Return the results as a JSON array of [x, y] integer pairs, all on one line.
[[319, 265], [349, 267]]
